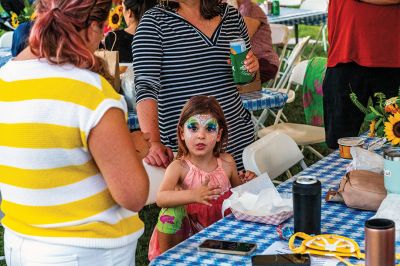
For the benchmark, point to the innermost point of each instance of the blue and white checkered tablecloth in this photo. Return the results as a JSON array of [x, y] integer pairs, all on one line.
[[293, 16], [252, 101], [5, 55], [335, 218], [133, 122], [260, 100]]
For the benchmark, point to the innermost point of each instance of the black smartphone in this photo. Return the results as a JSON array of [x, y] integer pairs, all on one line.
[[227, 247], [281, 260]]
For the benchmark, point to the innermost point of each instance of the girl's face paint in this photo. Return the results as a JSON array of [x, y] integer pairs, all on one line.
[[201, 133]]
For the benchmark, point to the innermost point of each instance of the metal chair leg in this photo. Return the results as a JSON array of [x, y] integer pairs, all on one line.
[[316, 153]]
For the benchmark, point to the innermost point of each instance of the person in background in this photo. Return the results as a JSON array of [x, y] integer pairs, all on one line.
[[121, 40], [364, 57], [20, 37], [15, 6], [72, 179], [260, 37], [203, 171], [181, 49]]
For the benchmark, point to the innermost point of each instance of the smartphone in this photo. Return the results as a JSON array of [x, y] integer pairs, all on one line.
[[281, 260], [227, 247]]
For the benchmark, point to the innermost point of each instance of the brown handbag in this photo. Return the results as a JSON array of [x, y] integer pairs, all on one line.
[[363, 189]]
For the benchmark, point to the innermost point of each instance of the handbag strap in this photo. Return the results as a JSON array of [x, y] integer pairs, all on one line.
[[115, 41]]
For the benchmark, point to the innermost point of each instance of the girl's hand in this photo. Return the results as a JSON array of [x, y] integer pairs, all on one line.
[[205, 192], [246, 176], [159, 155], [251, 62]]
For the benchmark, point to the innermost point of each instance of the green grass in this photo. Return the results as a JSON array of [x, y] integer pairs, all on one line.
[[295, 113]]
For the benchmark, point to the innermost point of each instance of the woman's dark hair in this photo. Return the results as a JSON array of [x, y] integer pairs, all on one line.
[[208, 8], [138, 7], [55, 33], [201, 105], [16, 6]]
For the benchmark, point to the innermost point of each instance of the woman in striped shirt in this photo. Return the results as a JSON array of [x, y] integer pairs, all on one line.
[[70, 178], [180, 50]]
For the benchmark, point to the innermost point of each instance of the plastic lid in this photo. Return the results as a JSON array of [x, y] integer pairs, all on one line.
[[351, 141], [379, 224], [306, 180], [392, 154]]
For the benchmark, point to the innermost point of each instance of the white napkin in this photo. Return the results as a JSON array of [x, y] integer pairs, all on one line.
[[257, 197]]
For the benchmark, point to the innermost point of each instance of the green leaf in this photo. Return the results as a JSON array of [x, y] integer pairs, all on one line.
[[380, 131], [378, 123], [375, 111], [354, 99], [371, 116]]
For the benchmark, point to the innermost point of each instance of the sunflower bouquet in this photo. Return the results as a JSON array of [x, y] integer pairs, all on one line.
[[115, 18], [383, 117], [27, 14]]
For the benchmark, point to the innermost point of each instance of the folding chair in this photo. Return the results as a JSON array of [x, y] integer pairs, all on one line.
[[303, 135], [280, 39], [280, 87], [156, 175], [320, 5], [6, 39], [274, 154]]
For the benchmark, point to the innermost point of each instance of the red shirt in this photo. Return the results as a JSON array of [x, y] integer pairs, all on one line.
[[366, 34]]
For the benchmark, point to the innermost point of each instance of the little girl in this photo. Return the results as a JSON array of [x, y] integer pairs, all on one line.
[[198, 181]]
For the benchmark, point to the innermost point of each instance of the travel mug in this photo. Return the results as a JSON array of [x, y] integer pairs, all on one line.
[[307, 205], [391, 166], [380, 242]]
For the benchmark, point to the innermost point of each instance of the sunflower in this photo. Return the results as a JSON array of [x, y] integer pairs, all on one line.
[[14, 20], [372, 128], [392, 129], [33, 16], [114, 19]]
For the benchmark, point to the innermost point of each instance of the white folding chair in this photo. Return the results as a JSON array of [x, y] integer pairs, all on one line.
[[6, 39], [280, 39], [319, 5], [280, 87], [274, 154], [303, 135], [156, 175]]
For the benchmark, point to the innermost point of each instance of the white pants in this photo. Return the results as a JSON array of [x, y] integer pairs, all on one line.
[[20, 251]]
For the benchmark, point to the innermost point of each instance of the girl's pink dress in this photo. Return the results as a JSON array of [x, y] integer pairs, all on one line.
[[199, 215]]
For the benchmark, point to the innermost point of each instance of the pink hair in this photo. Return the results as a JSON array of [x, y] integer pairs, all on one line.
[[55, 33]]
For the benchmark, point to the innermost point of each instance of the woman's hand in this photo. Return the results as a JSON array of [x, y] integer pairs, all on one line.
[[251, 62], [246, 176], [159, 155], [205, 192]]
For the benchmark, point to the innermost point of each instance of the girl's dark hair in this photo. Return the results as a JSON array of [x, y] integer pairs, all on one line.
[[208, 8], [203, 105], [55, 33], [138, 7]]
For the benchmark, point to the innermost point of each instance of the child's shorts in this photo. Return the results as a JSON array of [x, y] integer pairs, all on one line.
[[170, 220]]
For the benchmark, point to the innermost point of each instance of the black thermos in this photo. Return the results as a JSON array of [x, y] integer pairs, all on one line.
[[307, 205]]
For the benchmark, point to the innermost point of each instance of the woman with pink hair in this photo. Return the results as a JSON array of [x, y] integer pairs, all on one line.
[[71, 179]]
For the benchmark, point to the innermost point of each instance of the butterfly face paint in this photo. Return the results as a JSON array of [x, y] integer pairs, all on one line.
[[198, 123]]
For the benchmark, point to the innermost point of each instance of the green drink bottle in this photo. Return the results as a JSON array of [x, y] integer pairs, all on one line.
[[275, 8], [238, 55]]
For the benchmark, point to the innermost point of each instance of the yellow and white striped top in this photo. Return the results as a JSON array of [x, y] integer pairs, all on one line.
[[51, 187]]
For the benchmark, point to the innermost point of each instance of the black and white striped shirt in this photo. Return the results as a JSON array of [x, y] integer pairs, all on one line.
[[174, 61]]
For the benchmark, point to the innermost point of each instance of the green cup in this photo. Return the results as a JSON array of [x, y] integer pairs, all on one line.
[[239, 71]]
